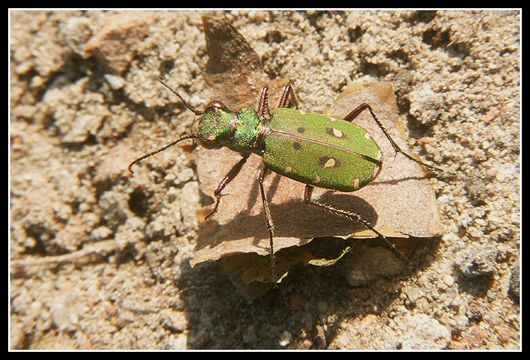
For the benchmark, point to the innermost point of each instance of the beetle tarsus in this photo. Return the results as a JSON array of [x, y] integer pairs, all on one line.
[[352, 217]]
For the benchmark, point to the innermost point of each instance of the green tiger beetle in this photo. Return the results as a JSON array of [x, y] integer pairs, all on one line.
[[317, 150]]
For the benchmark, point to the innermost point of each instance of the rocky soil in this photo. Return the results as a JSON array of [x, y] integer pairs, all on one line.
[[100, 258]]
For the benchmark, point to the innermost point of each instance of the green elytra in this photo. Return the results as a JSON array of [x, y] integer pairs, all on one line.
[[320, 150], [314, 149]]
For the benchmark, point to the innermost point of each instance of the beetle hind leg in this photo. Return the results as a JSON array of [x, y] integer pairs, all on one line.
[[359, 109], [352, 217], [270, 224]]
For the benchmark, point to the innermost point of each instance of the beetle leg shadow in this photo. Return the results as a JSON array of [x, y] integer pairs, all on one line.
[[254, 192], [397, 181], [294, 219]]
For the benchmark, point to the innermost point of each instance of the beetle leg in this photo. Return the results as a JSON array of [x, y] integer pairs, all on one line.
[[226, 180], [263, 105], [353, 217], [359, 109], [288, 96], [268, 218]]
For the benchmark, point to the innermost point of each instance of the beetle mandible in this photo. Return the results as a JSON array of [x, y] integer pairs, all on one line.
[[317, 150]]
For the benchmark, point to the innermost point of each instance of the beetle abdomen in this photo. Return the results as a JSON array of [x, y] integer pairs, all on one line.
[[319, 150]]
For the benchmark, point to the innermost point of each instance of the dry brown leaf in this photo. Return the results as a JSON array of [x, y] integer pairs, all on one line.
[[399, 203]]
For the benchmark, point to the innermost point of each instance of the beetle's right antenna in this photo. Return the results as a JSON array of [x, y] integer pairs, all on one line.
[[160, 150], [195, 111]]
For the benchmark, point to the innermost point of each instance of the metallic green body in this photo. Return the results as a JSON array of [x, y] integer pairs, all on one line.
[[311, 148], [320, 150]]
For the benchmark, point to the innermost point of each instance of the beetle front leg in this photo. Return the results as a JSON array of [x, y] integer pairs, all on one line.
[[359, 109], [352, 217], [268, 218], [226, 180]]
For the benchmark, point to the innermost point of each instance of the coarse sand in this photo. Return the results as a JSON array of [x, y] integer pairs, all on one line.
[[100, 258]]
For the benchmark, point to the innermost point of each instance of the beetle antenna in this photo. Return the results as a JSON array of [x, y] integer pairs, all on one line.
[[195, 111], [159, 150]]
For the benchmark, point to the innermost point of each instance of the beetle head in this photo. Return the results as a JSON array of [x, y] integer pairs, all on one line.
[[214, 125]]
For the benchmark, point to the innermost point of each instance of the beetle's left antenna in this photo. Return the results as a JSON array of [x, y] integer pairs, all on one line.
[[159, 150], [192, 109]]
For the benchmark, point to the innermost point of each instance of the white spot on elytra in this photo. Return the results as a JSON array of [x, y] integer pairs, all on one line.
[[367, 136], [330, 163], [337, 133], [317, 180], [355, 183], [288, 169]]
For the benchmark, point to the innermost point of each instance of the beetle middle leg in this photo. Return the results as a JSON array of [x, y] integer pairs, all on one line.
[[268, 218], [288, 96], [359, 109], [226, 180], [352, 217]]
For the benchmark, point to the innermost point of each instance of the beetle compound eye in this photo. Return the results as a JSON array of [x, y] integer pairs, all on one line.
[[215, 106]]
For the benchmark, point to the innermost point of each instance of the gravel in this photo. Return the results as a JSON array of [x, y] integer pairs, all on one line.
[[100, 257]]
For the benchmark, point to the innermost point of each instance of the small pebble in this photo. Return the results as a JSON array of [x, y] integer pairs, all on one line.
[[285, 339], [184, 176], [101, 233], [320, 337], [448, 280], [477, 260], [115, 82]]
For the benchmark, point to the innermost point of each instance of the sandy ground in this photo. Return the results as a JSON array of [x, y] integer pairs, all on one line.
[[100, 260]]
